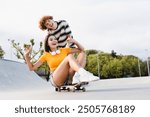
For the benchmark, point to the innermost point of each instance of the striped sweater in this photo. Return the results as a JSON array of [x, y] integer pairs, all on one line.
[[61, 33]]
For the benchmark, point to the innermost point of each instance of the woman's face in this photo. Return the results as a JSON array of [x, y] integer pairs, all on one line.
[[50, 24], [52, 42]]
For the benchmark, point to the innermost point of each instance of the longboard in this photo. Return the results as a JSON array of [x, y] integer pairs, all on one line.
[[72, 87]]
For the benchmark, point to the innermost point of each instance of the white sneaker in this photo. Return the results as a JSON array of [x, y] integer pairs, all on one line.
[[76, 78], [86, 76]]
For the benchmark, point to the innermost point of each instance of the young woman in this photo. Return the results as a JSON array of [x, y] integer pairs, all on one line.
[[61, 62]]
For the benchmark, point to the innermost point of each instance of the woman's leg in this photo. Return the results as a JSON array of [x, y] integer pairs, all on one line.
[[61, 73], [81, 60], [82, 75]]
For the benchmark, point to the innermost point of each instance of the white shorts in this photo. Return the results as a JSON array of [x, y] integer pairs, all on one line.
[[53, 83]]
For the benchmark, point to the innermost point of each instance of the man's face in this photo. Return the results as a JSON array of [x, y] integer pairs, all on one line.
[[50, 24]]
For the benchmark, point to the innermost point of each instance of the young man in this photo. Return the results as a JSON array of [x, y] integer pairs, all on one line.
[[60, 29]]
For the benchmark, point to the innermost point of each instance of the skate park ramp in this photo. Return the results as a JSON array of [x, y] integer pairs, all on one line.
[[17, 82], [16, 77]]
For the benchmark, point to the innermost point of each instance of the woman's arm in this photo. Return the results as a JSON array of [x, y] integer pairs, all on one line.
[[31, 66]]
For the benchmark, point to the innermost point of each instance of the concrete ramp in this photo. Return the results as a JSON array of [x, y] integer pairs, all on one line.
[[16, 76]]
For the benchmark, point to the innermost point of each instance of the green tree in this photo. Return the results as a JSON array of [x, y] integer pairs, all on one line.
[[92, 64], [104, 60], [115, 67], [92, 51], [113, 54], [1, 52], [144, 69], [130, 66], [19, 50], [35, 54]]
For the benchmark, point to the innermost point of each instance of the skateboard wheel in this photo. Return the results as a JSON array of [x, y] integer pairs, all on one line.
[[73, 90], [83, 89], [68, 89], [57, 89]]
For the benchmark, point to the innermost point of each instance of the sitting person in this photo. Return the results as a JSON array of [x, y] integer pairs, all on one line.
[[61, 30], [61, 61]]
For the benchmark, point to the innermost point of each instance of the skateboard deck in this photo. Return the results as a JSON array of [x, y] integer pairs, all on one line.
[[72, 87]]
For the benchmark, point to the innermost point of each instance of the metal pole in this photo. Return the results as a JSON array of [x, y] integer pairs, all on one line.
[[148, 66], [139, 67], [98, 64]]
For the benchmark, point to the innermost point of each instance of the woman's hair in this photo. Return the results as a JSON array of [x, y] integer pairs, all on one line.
[[42, 22], [46, 46]]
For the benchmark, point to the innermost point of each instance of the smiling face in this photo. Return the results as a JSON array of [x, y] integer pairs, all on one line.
[[50, 24], [52, 42]]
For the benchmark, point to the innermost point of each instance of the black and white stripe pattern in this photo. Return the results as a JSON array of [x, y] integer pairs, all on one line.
[[61, 33]]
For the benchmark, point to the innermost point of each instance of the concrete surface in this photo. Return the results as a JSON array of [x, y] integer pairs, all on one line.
[[17, 82]]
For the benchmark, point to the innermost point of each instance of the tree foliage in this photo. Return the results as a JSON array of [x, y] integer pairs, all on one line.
[[34, 55], [1, 52], [88, 52], [19, 50], [112, 65]]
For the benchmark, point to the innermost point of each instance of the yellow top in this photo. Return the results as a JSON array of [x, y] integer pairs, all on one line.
[[54, 60]]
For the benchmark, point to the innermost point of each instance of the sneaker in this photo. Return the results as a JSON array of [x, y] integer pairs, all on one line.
[[76, 78], [86, 76]]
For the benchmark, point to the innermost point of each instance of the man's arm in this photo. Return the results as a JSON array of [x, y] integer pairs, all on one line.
[[69, 34], [79, 48]]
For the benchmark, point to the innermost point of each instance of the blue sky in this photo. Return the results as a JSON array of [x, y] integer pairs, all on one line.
[[119, 25]]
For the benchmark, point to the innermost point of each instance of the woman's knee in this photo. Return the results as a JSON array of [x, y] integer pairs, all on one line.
[[83, 53], [67, 58], [70, 56], [81, 59]]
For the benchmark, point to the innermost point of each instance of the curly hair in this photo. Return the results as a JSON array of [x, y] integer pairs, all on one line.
[[42, 22]]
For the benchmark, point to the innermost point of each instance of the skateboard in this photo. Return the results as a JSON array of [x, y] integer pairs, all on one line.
[[72, 87]]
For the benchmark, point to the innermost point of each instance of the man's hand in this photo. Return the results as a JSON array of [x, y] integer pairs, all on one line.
[[71, 40]]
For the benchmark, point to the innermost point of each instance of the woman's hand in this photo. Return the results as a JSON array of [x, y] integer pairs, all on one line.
[[28, 50]]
